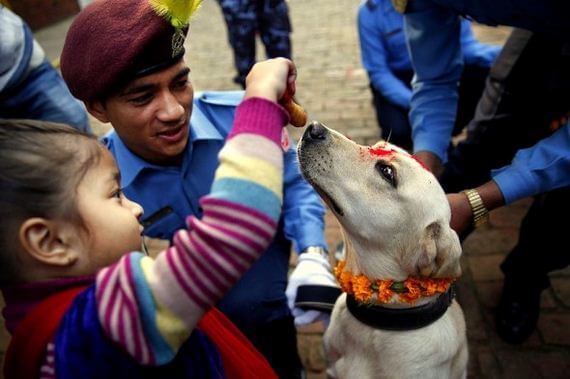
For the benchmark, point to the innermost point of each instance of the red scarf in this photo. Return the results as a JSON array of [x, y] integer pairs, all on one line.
[[30, 339], [241, 359]]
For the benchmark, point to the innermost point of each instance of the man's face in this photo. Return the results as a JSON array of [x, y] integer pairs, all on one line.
[[151, 114]]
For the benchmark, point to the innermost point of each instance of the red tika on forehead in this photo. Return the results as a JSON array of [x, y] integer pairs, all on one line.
[[380, 151]]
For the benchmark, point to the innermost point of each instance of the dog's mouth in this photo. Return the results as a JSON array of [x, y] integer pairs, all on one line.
[[328, 200]]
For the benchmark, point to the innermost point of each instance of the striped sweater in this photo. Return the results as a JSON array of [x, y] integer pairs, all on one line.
[[150, 306]]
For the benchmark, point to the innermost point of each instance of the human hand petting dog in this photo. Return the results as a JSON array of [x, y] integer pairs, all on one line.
[[462, 216], [431, 161], [312, 269], [462, 212]]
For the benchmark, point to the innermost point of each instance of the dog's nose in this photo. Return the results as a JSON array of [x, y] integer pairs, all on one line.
[[316, 130]]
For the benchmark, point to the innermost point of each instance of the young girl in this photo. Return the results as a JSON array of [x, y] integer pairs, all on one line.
[[82, 302]]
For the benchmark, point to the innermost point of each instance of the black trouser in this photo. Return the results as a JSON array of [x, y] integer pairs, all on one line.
[[393, 119], [257, 305], [245, 19], [277, 340], [542, 245], [528, 87]]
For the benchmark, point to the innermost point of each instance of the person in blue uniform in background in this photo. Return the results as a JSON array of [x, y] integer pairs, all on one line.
[[247, 18], [387, 62], [540, 155]]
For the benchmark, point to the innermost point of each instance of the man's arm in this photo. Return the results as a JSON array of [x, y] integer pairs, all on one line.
[[462, 208], [303, 214], [475, 52], [303, 210], [540, 168], [537, 169], [375, 61], [433, 36]]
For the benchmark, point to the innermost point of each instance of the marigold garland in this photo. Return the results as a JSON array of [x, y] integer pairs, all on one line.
[[408, 291]]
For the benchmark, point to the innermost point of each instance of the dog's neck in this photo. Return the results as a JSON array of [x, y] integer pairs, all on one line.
[[393, 289], [390, 318], [388, 304], [386, 292], [372, 263]]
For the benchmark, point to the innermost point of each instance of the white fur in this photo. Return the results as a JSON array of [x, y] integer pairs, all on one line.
[[390, 232]]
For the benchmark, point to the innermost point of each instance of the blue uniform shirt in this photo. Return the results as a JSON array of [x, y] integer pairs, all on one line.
[[384, 52], [432, 31], [169, 194]]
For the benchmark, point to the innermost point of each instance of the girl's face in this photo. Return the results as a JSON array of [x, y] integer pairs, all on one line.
[[110, 218]]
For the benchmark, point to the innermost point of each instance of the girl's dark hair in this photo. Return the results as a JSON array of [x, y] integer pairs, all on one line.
[[41, 165]]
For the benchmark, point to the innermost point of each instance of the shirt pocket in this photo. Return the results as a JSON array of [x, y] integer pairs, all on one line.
[[163, 223]]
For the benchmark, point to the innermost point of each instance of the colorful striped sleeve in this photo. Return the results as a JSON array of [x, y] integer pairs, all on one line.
[[150, 306]]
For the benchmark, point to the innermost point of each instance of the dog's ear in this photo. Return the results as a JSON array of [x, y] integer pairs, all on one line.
[[440, 251]]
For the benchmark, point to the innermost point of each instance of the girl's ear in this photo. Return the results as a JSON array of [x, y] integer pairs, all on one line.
[[97, 110], [48, 241]]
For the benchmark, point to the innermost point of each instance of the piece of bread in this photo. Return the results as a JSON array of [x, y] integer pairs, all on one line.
[[297, 114]]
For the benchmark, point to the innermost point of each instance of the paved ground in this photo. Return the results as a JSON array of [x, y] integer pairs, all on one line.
[[333, 88]]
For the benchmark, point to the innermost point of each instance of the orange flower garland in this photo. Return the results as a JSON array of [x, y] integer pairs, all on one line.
[[408, 291]]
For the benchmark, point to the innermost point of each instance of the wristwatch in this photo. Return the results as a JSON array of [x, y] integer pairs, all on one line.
[[480, 213], [316, 250]]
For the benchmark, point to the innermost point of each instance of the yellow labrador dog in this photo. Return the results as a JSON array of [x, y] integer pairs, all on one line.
[[397, 317]]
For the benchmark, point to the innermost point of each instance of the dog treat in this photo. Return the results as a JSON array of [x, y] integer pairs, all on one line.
[[297, 115]]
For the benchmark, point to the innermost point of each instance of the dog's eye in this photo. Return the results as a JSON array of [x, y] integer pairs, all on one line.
[[387, 173]]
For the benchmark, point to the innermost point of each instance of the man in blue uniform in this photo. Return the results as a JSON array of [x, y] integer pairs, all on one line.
[[539, 167], [432, 30], [387, 62], [257, 304]]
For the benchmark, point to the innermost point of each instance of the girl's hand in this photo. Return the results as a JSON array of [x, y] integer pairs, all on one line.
[[271, 79], [274, 79]]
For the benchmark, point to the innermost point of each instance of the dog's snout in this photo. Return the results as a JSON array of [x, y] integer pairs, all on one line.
[[316, 130]]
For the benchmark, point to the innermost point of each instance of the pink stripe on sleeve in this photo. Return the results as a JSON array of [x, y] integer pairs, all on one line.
[[203, 265], [186, 286], [260, 116]]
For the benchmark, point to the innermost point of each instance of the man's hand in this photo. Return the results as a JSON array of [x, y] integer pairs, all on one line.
[[461, 214], [312, 269], [431, 161]]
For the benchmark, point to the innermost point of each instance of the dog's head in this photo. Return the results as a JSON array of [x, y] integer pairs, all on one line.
[[393, 212]]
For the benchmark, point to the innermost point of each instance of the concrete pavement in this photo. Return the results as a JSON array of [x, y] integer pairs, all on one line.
[[333, 88]]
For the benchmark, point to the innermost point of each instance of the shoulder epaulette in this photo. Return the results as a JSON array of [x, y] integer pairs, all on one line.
[[229, 98]]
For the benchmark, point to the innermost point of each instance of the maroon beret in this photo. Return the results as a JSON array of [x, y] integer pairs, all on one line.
[[111, 42]]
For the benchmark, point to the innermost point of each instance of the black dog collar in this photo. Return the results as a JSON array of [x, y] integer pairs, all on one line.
[[380, 317]]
